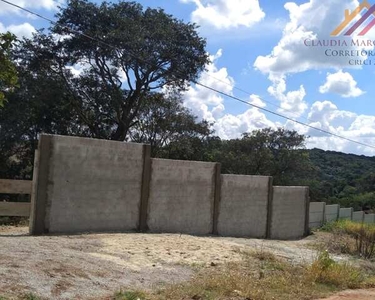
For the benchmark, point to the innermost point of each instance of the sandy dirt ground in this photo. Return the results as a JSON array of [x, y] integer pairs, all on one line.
[[95, 266], [354, 295]]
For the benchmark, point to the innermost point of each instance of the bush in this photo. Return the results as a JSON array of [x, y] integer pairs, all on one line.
[[359, 236], [326, 271]]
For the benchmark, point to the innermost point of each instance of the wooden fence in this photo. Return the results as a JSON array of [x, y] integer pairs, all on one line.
[[15, 209]]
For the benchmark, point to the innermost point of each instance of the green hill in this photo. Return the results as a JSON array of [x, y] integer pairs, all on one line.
[[342, 178]]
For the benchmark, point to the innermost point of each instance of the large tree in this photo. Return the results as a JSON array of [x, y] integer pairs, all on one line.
[[125, 52], [39, 105]]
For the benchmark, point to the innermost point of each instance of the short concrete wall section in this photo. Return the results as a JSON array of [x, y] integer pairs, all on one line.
[[181, 198], [290, 209], [358, 216], [244, 203], [317, 214], [332, 213], [369, 219], [86, 185], [346, 213]]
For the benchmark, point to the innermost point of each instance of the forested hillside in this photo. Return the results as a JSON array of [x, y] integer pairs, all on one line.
[[342, 178]]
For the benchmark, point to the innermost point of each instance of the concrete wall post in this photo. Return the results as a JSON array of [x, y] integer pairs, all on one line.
[[145, 193], [40, 182], [269, 207], [217, 198], [307, 211]]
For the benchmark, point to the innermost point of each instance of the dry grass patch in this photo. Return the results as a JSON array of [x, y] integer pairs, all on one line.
[[262, 276], [351, 238]]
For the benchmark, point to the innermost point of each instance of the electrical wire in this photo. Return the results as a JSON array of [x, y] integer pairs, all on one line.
[[196, 82]]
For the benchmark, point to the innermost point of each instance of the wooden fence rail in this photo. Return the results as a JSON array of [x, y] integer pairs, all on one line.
[[15, 209]]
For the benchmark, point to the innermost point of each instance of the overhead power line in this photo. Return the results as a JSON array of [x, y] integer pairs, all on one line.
[[194, 81]]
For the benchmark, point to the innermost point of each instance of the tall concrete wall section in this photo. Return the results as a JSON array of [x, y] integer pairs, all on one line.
[[181, 198], [289, 212], [316, 214], [369, 219], [332, 213], [358, 216], [243, 209], [86, 185], [346, 213]]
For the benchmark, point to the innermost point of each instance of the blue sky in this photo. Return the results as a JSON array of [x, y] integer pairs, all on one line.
[[258, 46]]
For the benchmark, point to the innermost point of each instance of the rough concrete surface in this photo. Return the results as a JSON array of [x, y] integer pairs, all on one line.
[[95, 266], [289, 210], [369, 219], [243, 206], [332, 212], [92, 185], [358, 216], [181, 198], [346, 213], [316, 214]]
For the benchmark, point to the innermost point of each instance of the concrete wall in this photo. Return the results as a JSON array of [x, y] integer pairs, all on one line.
[[346, 213], [86, 185], [369, 219], [290, 209], [317, 214], [181, 198], [89, 185], [332, 213], [358, 216], [244, 205]]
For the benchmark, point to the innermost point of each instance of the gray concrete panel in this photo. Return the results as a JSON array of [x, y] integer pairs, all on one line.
[[93, 185], [316, 214], [181, 197], [346, 213], [332, 213], [244, 206], [290, 206], [369, 219], [358, 216]]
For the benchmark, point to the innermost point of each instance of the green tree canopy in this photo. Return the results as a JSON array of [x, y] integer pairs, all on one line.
[[162, 120], [134, 52], [8, 74]]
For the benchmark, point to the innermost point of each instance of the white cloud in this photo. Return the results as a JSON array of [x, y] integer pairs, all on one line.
[[205, 103], [311, 20], [322, 114], [326, 116], [208, 105], [231, 126], [224, 14], [292, 103], [341, 83], [20, 30], [31, 4], [255, 100]]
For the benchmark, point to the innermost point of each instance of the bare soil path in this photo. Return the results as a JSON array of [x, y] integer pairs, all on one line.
[[95, 266]]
